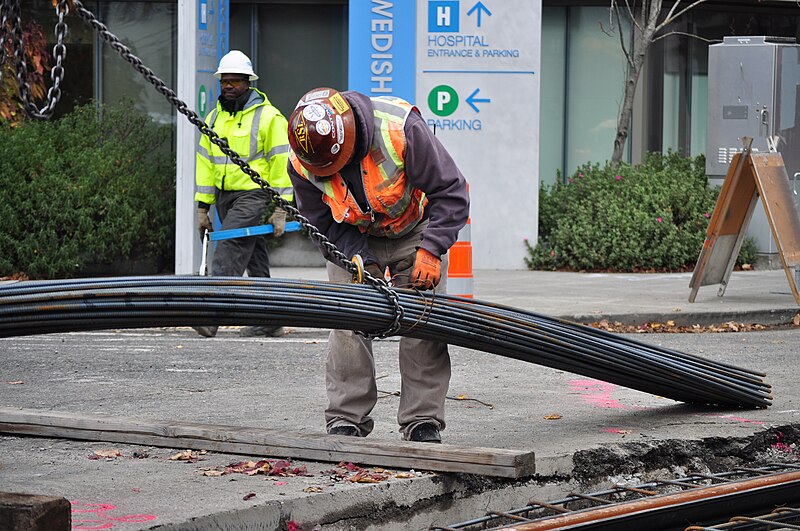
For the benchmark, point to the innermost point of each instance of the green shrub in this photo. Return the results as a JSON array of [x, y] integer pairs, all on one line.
[[94, 187], [648, 217]]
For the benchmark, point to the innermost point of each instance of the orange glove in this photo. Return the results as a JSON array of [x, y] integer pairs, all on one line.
[[427, 270]]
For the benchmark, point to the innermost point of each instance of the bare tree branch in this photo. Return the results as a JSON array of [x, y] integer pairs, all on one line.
[[692, 35], [644, 16], [631, 14], [622, 45], [670, 17]]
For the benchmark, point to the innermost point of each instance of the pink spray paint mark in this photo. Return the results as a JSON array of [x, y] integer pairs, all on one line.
[[596, 393], [96, 517], [737, 419]]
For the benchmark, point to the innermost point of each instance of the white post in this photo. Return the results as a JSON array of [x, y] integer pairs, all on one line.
[[186, 243]]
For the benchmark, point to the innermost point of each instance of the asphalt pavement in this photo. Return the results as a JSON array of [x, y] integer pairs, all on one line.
[[580, 429]]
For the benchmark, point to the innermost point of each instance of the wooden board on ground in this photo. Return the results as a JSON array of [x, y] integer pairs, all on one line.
[[750, 176], [32, 512], [269, 443]]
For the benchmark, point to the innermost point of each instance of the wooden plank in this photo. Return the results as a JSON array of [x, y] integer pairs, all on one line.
[[269, 443], [31, 512]]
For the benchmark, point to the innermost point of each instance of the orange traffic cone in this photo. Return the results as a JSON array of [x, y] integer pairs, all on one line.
[[459, 272]]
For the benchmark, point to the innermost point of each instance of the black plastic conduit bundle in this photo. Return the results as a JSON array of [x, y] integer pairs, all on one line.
[[41, 307]]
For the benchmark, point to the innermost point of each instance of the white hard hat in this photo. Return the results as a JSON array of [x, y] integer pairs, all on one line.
[[235, 62]]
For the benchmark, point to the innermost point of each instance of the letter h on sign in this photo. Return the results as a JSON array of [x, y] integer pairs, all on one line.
[[443, 16]]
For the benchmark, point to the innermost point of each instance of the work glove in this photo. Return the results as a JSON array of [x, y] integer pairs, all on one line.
[[371, 268], [426, 271], [203, 222], [278, 220]]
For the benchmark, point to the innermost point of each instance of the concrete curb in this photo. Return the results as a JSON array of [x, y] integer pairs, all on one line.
[[763, 317]]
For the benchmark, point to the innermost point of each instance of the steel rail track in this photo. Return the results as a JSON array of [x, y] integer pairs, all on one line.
[[39, 307], [693, 503]]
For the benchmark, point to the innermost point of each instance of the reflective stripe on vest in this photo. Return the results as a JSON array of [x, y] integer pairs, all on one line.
[[395, 205]]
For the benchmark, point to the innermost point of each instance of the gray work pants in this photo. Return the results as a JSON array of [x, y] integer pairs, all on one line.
[[350, 370], [238, 209]]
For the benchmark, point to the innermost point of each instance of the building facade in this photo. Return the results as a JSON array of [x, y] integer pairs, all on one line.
[[296, 44]]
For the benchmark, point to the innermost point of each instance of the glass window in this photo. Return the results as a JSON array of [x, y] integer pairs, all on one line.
[[595, 77], [150, 30], [298, 47], [551, 119]]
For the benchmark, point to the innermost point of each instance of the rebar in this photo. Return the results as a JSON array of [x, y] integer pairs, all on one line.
[[53, 306]]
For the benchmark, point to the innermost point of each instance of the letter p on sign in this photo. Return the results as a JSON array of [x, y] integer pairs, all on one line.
[[443, 100]]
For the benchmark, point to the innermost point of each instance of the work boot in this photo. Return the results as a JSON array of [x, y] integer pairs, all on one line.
[[344, 429], [425, 432], [206, 331], [261, 331]]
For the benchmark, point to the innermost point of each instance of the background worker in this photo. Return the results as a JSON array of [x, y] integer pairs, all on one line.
[[368, 173], [256, 130]]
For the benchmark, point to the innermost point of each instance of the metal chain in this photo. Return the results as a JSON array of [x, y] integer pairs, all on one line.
[[12, 10], [6, 10], [330, 249]]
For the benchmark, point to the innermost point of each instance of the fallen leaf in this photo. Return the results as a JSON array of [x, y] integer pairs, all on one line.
[[553, 416], [249, 496], [16, 382], [186, 455], [213, 473], [312, 489], [366, 477], [796, 320], [404, 475], [281, 483], [105, 454]]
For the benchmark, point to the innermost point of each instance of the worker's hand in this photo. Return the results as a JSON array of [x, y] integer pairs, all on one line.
[[278, 220], [371, 268], [427, 270], [203, 222]]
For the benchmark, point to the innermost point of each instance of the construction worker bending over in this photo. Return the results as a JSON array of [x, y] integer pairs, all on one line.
[[256, 131], [368, 173]]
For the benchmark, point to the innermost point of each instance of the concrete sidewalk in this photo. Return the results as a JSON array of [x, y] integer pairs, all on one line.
[[584, 432]]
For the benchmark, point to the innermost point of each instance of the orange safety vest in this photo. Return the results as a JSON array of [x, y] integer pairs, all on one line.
[[395, 206]]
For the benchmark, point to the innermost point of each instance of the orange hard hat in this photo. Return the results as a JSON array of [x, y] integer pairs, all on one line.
[[322, 131]]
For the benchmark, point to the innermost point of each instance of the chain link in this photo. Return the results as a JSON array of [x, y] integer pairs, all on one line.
[[11, 10], [4, 12], [314, 233]]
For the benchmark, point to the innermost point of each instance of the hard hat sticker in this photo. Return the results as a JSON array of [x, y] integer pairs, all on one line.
[[313, 112], [339, 103], [339, 129], [318, 94], [323, 127], [301, 135], [335, 148]]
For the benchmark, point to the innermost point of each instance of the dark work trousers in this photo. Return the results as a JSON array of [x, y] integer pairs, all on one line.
[[237, 209]]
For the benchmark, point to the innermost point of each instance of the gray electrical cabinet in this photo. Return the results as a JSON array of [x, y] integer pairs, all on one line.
[[753, 91]]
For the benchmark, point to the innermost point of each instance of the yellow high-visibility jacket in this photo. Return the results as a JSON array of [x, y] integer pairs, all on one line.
[[258, 133]]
